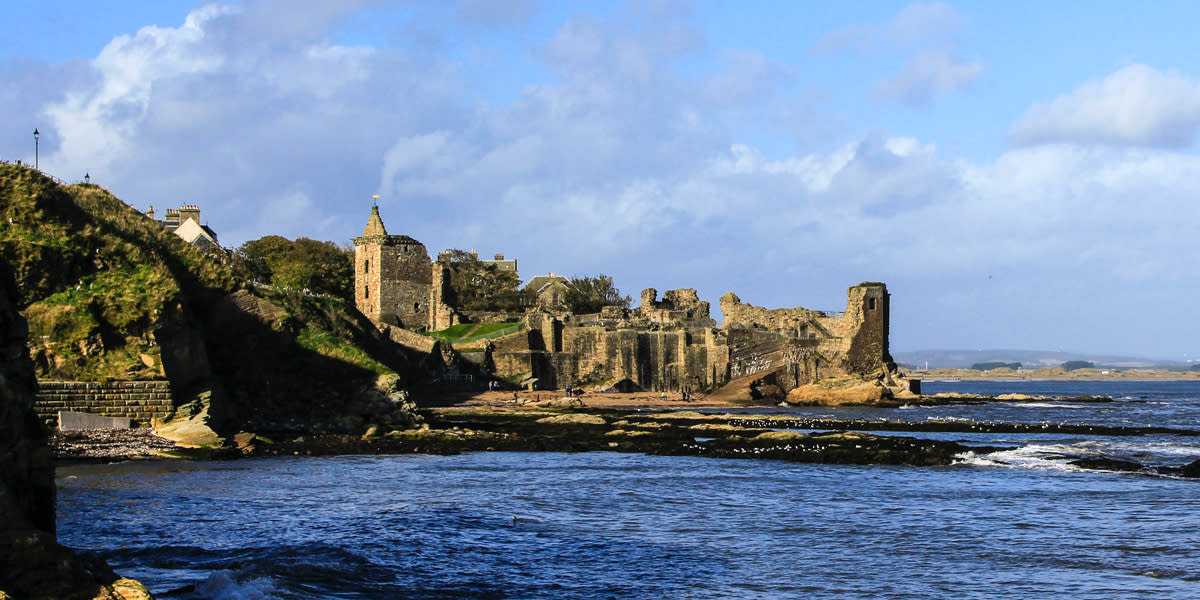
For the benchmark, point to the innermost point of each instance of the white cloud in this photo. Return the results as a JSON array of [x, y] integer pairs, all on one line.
[[96, 124], [749, 77], [929, 73], [1135, 106], [928, 76], [488, 13], [617, 162], [914, 25]]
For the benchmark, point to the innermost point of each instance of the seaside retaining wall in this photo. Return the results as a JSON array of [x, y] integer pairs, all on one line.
[[140, 401]]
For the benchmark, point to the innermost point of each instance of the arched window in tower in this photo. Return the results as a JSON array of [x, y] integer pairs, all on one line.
[[367, 266], [870, 304], [366, 291]]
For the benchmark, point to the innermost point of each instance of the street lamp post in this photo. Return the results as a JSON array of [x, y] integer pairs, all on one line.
[[87, 179], [35, 148]]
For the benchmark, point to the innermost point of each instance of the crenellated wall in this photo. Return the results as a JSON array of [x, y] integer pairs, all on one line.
[[667, 346], [855, 341], [141, 401]]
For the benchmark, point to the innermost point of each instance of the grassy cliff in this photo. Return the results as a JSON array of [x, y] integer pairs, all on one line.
[[96, 275], [110, 294]]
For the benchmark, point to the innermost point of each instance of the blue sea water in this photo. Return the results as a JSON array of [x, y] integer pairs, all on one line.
[[605, 525]]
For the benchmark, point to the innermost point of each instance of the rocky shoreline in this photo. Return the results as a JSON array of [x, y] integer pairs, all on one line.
[[528, 428]]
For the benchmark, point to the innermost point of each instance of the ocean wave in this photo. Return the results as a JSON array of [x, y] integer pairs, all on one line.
[[1058, 457], [1053, 405], [1042, 457], [1150, 450], [224, 585]]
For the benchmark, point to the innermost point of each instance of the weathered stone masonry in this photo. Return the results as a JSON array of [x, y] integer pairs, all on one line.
[[141, 401], [393, 277], [671, 345]]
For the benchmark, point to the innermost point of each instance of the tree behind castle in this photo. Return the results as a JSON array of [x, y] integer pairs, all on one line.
[[482, 286], [305, 264]]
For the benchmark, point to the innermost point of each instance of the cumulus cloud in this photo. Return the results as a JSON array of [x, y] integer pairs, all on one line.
[[1136, 106], [614, 161], [235, 106]]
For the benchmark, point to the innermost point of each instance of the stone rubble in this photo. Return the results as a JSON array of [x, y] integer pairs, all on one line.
[[110, 444]]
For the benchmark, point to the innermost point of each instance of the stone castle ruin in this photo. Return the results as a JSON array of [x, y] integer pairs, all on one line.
[[672, 344]]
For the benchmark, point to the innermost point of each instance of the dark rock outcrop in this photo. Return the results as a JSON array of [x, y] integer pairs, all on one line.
[[32, 563]]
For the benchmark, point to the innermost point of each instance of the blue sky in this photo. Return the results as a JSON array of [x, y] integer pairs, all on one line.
[[1021, 175]]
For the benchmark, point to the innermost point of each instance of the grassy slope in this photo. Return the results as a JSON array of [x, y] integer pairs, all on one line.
[[99, 279], [471, 332], [95, 274]]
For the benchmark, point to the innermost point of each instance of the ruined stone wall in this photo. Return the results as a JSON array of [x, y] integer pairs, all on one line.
[[140, 401], [796, 322], [666, 346], [669, 360], [587, 346], [804, 345], [413, 341], [717, 357], [491, 316], [681, 307], [795, 361], [513, 342], [442, 314], [857, 340]]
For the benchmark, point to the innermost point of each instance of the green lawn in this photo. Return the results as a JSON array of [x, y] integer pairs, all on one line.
[[465, 333]]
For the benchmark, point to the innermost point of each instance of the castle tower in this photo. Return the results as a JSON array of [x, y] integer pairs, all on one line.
[[868, 305], [392, 276]]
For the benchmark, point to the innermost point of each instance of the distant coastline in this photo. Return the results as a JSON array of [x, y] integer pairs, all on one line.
[[1053, 374]]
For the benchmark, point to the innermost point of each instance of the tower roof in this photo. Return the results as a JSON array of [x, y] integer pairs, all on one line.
[[374, 224]]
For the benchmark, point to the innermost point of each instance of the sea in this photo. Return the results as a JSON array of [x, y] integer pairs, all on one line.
[[1023, 523]]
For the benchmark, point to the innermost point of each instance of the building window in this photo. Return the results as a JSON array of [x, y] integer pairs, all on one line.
[[416, 307], [367, 266], [870, 304], [366, 292]]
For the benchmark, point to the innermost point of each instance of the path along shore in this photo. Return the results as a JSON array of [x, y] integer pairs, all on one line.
[[595, 400]]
